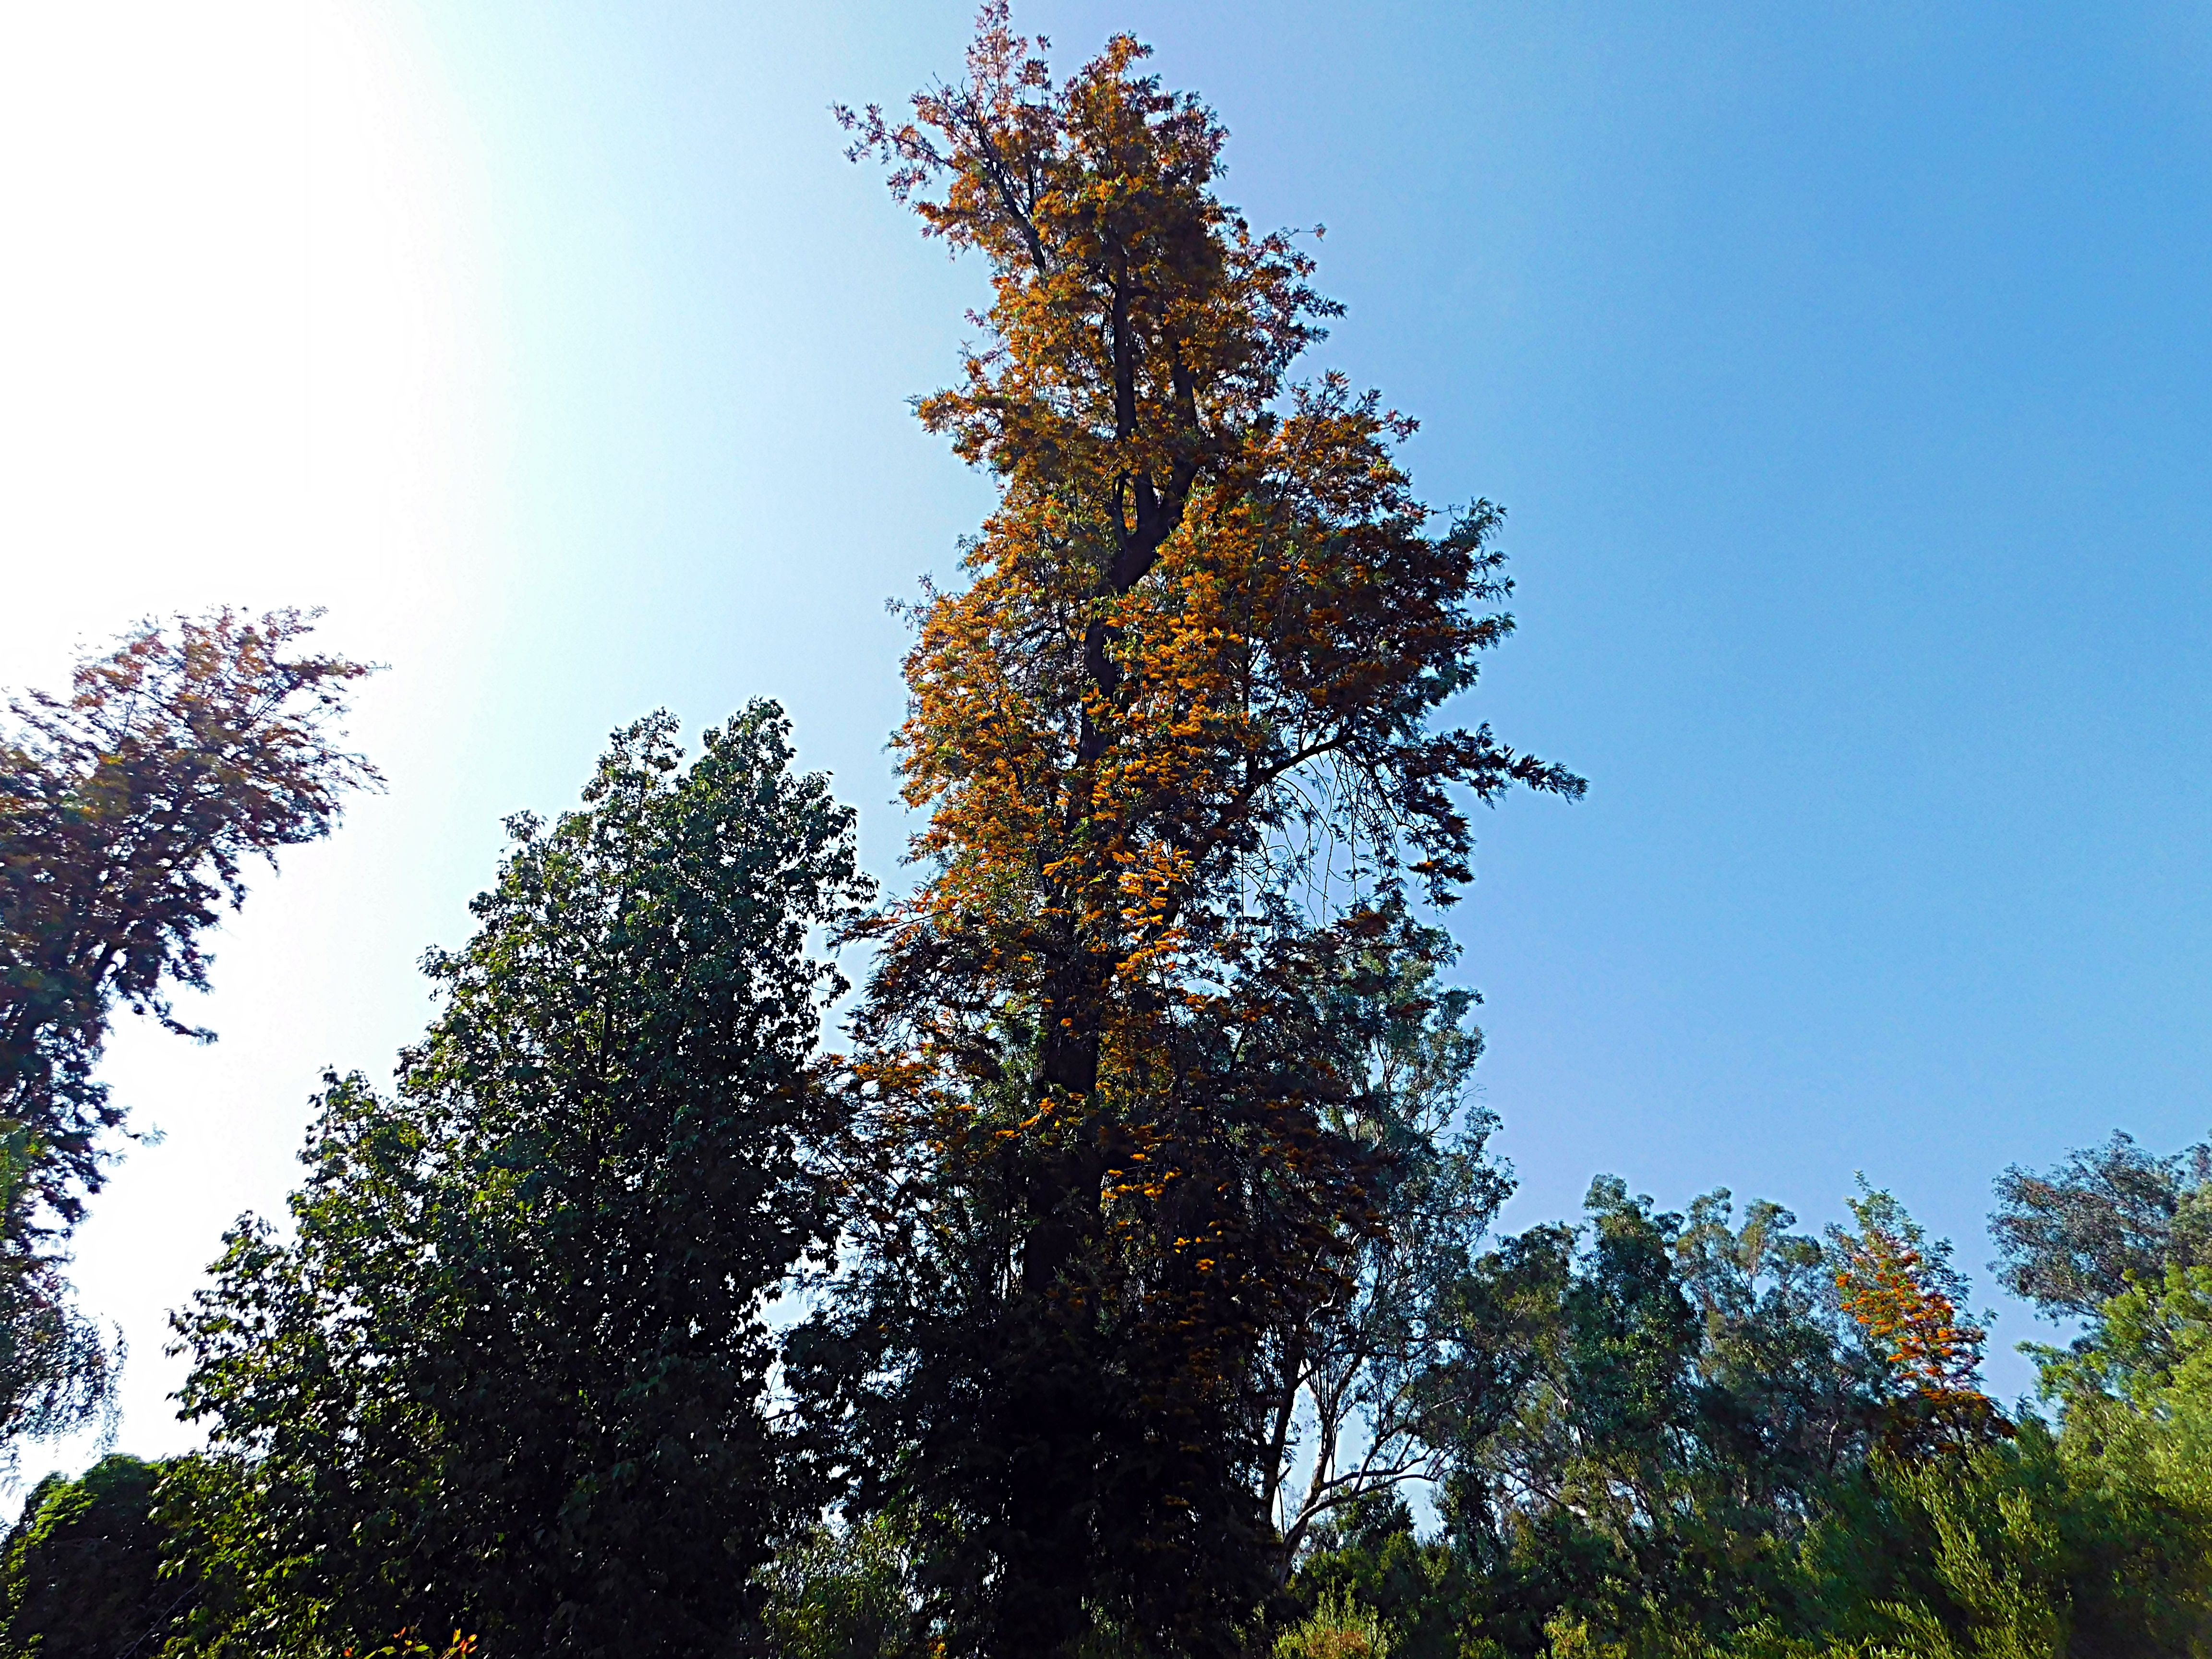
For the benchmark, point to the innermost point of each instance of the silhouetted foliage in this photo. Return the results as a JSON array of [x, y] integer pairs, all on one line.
[[509, 1376], [128, 813], [2070, 1240]]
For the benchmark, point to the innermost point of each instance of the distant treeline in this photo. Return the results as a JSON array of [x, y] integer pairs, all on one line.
[[1689, 1435]]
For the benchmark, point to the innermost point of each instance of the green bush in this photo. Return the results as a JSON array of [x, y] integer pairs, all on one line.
[[1338, 1628], [80, 1573], [839, 1593]]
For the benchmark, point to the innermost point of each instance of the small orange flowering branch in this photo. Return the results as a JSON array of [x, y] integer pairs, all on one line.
[[1904, 1293], [406, 1644]]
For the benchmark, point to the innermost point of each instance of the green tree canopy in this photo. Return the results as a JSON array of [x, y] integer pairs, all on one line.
[[2070, 1239], [81, 1572], [510, 1376]]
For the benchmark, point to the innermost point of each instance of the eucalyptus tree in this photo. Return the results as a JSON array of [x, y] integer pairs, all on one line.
[[1373, 1386]]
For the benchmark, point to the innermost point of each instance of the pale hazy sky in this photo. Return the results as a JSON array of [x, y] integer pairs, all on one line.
[[1844, 369]]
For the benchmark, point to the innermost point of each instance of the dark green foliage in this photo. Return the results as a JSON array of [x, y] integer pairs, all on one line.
[[2037, 1547], [1688, 1390], [1063, 1474], [841, 1593], [1430, 1597], [976, 1404], [2030, 1539], [509, 1377], [2071, 1240], [80, 1574]]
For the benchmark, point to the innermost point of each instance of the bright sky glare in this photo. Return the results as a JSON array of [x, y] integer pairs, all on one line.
[[1844, 368]]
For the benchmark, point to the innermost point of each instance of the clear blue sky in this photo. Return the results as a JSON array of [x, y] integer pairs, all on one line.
[[1844, 369]]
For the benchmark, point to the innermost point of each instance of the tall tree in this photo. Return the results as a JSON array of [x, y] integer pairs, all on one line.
[[1177, 739], [129, 811], [510, 1374]]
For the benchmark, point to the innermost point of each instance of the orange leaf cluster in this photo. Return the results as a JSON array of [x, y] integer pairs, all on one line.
[[1885, 1283]]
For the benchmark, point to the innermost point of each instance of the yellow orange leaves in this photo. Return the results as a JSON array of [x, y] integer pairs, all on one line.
[[1887, 1282], [1204, 629]]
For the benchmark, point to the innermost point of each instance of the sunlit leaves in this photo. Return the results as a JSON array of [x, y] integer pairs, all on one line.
[[1181, 739]]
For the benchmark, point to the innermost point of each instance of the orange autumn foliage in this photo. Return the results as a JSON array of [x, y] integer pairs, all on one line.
[[1175, 740], [1903, 1295], [1207, 618]]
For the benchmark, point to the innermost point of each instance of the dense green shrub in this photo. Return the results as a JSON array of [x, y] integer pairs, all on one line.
[[840, 1593]]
